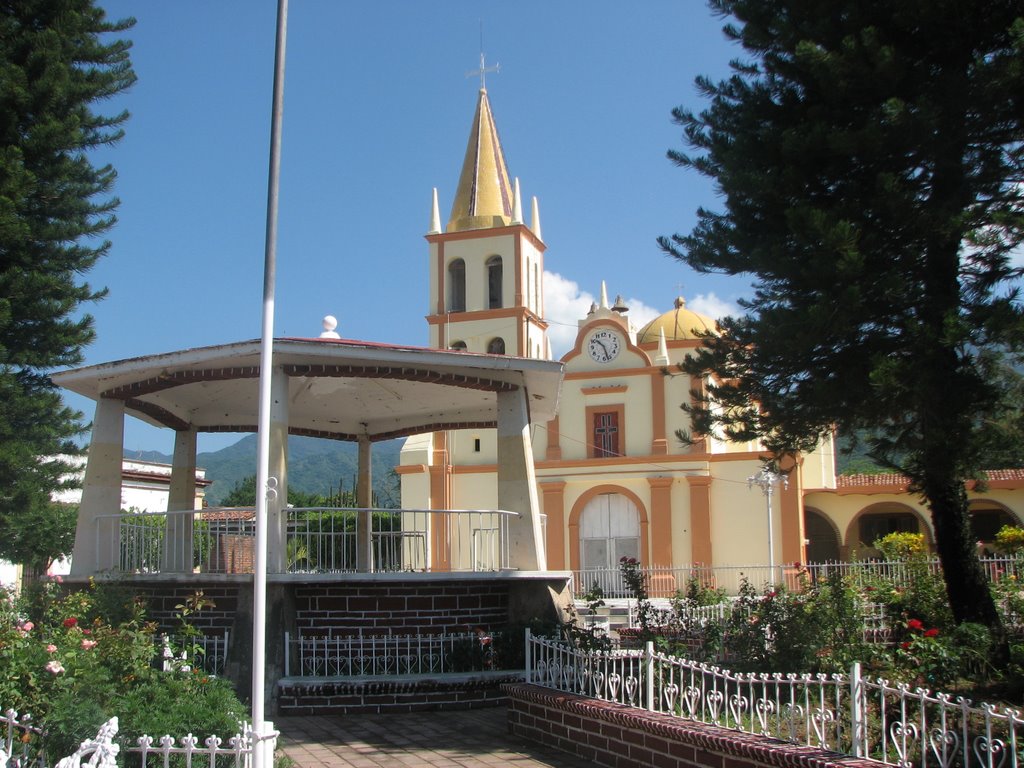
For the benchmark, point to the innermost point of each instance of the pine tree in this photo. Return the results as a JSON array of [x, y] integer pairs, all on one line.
[[56, 62], [869, 156]]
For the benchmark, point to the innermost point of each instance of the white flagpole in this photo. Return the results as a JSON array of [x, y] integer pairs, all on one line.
[[264, 484]]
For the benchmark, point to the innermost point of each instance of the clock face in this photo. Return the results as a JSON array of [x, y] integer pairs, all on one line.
[[604, 346]]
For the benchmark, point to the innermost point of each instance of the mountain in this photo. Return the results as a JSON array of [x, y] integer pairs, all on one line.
[[314, 466]]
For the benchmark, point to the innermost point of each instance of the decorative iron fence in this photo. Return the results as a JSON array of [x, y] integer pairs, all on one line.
[[236, 751], [664, 582], [315, 540], [388, 655], [206, 652], [848, 714]]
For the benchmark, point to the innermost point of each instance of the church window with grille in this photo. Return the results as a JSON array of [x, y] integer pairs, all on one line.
[[606, 434], [494, 282], [457, 286]]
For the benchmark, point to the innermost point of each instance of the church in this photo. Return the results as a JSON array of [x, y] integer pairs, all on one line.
[[612, 477]]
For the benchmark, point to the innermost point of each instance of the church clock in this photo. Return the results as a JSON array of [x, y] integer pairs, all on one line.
[[604, 346]]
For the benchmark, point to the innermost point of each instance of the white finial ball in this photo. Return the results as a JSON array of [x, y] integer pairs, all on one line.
[[330, 323]]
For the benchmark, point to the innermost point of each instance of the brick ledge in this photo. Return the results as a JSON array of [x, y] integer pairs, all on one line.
[[759, 750]]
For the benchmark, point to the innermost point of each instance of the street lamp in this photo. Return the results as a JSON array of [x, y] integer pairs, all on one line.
[[767, 479]]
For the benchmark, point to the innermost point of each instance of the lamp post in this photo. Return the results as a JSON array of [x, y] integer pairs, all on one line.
[[766, 480], [266, 486]]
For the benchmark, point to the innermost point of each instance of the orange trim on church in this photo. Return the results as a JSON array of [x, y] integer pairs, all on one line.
[[553, 494], [700, 520]]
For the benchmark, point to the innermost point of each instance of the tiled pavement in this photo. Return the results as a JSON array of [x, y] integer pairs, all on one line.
[[476, 738]]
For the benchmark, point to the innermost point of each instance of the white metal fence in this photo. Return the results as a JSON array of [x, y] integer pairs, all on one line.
[[21, 738], [387, 655], [206, 652], [664, 582], [848, 714], [315, 540]]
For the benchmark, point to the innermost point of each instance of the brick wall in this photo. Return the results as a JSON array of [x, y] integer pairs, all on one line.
[[162, 601], [618, 736], [400, 608]]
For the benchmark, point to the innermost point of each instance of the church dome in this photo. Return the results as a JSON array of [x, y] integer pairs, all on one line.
[[679, 324]]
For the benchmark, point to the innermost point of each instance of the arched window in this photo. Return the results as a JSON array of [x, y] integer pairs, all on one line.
[[880, 520], [459, 346], [494, 280], [609, 531], [496, 346], [986, 520], [457, 286]]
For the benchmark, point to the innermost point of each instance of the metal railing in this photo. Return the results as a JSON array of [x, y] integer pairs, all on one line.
[[319, 656], [20, 747], [664, 582], [314, 540], [848, 714], [208, 653]]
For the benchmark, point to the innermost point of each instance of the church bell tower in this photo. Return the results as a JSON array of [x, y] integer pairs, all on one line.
[[487, 266]]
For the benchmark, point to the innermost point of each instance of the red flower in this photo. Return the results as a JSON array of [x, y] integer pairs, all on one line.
[[915, 624], [931, 632], [905, 645], [70, 622]]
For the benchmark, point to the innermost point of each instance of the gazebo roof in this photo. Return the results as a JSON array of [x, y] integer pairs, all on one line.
[[338, 388]]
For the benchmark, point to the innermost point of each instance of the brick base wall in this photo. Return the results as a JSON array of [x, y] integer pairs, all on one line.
[[618, 736], [400, 607], [162, 600]]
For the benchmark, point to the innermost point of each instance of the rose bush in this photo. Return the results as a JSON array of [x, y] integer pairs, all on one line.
[[68, 665]]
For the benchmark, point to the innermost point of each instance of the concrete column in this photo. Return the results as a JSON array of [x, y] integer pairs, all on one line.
[[277, 555], [517, 483], [439, 555], [97, 539], [178, 535], [364, 499]]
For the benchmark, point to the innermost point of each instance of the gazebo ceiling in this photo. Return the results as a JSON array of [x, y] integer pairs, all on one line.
[[339, 389]]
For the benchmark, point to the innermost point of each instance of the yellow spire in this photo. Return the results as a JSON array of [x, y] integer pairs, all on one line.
[[484, 196]]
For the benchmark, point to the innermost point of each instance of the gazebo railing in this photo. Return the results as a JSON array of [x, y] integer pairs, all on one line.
[[314, 540]]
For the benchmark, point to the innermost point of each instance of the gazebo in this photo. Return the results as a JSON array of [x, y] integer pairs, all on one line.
[[343, 390]]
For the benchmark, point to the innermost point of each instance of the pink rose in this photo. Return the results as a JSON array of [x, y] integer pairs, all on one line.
[[51, 648], [88, 644], [54, 667]]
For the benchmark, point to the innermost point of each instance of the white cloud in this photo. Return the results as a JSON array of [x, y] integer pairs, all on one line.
[[709, 304], [565, 304]]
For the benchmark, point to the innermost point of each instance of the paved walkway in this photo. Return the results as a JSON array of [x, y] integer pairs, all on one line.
[[477, 738]]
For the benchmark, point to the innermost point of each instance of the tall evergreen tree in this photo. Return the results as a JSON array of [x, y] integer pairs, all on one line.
[[869, 156], [57, 60]]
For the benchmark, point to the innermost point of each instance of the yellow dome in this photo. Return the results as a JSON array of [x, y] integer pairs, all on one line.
[[679, 324]]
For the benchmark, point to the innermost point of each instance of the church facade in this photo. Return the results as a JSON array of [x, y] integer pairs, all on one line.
[[613, 478]]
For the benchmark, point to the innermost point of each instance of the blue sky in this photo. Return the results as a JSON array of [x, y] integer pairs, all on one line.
[[377, 113]]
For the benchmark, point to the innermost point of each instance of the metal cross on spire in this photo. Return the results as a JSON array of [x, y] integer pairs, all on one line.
[[484, 69]]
